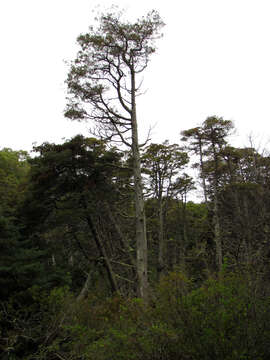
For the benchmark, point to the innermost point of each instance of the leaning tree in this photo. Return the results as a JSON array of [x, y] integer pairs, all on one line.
[[103, 85]]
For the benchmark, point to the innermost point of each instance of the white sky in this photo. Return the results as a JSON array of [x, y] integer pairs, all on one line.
[[214, 59]]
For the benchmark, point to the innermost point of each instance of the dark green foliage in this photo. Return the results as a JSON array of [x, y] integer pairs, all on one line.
[[18, 257], [75, 188], [46, 242], [225, 319], [70, 226], [23, 260]]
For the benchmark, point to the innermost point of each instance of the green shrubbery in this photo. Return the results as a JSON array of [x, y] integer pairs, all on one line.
[[225, 319]]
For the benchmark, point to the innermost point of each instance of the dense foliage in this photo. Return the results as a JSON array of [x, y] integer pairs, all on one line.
[[76, 277], [67, 262]]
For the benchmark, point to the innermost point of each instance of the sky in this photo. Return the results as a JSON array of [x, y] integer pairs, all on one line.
[[214, 59]]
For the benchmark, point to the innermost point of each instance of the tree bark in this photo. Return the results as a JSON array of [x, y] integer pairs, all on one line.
[[123, 240], [161, 240], [203, 174], [217, 232], [247, 232], [141, 239], [103, 253], [85, 288]]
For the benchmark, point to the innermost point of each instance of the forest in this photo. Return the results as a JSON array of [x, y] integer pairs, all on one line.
[[102, 254]]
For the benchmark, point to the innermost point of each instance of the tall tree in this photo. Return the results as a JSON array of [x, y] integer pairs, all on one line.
[[103, 87], [163, 162], [208, 141], [196, 143], [215, 131]]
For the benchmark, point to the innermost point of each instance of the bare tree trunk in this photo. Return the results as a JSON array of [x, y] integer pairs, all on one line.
[[85, 288], [216, 220], [248, 234], [123, 240], [53, 260], [161, 241], [141, 239], [202, 173], [185, 237], [217, 234], [103, 253]]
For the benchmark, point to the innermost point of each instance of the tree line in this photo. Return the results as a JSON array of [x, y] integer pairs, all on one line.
[[100, 247]]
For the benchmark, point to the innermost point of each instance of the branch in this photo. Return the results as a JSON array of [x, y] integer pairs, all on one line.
[[110, 110], [125, 279]]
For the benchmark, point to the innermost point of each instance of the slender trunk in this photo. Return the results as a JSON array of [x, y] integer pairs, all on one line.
[[217, 234], [238, 219], [185, 237], [102, 251], [216, 220], [141, 239], [85, 288], [247, 232], [122, 239], [161, 240], [53, 260], [202, 173]]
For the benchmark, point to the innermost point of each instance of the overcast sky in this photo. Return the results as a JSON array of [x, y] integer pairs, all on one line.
[[214, 59]]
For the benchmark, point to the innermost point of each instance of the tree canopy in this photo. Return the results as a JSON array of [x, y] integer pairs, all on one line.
[[104, 256]]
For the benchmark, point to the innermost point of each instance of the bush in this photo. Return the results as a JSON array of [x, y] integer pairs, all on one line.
[[226, 319]]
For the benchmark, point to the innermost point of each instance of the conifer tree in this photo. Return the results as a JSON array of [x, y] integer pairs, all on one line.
[[103, 86]]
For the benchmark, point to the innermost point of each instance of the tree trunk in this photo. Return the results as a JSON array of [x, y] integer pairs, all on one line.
[[102, 251], [203, 174], [247, 231], [85, 288], [161, 242], [185, 237], [141, 239], [122, 238], [217, 234]]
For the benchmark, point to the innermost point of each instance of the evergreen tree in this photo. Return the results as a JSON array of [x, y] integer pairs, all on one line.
[[103, 87]]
